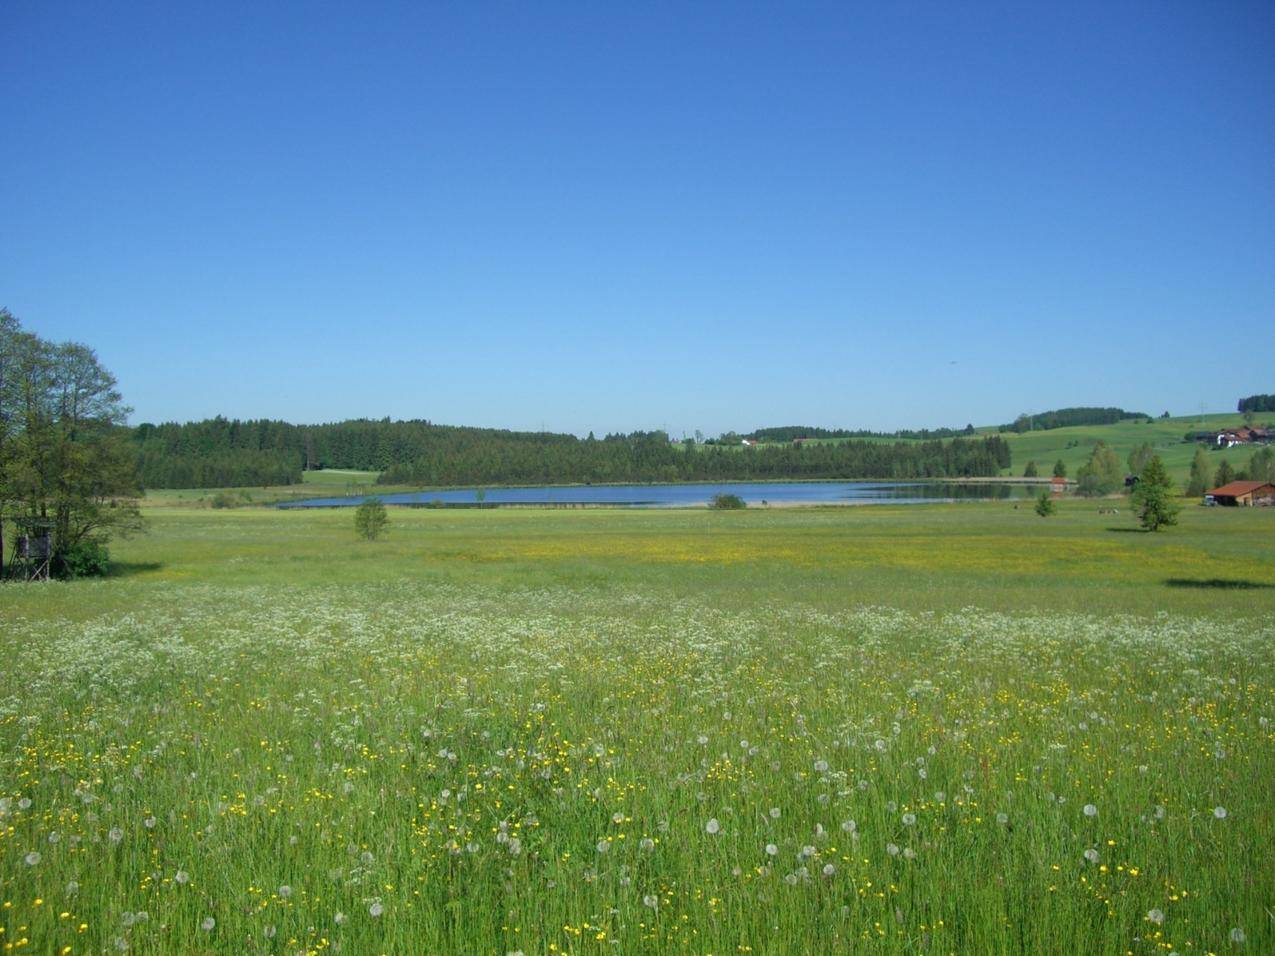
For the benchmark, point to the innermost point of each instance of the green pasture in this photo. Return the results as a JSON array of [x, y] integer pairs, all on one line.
[[888, 729], [332, 481], [1073, 445]]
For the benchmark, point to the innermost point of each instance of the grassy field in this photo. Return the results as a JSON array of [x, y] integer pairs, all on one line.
[[1073, 445], [332, 481], [947, 729]]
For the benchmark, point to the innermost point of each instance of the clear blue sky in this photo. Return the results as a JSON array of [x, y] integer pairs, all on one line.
[[614, 216]]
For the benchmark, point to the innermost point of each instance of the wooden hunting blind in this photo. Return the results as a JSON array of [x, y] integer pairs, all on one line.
[[33, 549]]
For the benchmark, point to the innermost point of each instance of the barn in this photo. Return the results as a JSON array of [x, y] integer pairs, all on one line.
[[1242, 493]]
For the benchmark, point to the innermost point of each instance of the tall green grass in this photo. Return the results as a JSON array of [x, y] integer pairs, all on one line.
[[789, 731]]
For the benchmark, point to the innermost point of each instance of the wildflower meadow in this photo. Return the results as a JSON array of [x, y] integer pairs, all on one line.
[[833, 730]]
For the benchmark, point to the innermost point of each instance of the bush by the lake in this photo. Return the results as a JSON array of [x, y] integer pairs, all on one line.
[[1045, 505], [727, 502]]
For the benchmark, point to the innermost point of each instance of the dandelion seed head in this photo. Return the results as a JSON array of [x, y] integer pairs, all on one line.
[[1090, 810], [712, 826]]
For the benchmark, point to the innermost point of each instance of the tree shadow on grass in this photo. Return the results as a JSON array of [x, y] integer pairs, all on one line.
[[125, 569], [1221, 584], [1129, 530]]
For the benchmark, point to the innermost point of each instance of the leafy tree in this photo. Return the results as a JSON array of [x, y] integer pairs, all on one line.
[[1045, 505], [727, 502], [1261, 467], [1101, 474], [65, 457], [1200, 474], [1225, 474], [1139, 457], [1030, 470], [1256, 403], [370, 519], [1060, 469], [1153, 497]]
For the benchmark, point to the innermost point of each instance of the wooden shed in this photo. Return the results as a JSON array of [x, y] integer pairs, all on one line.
[[1243, 493]]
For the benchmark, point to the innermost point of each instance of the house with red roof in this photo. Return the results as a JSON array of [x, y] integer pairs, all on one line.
[[1242, 493]]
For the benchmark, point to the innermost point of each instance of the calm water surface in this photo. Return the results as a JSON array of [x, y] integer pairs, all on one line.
[[665, 496]]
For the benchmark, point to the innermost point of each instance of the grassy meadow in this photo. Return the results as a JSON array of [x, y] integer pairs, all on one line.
[[925, 729], [1165, 435]]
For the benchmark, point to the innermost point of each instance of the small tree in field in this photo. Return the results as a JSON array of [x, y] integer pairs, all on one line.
[[1045, 505], [370, 519], [1060, 469], [1200, 474], [1030, 470], [1152, 497]]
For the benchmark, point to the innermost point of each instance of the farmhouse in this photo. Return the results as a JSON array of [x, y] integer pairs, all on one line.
[[1230, 437], [1243, 493]]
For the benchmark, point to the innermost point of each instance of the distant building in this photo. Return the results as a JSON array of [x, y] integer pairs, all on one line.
[[1242, 494], [1057, 486], [1230, 437]]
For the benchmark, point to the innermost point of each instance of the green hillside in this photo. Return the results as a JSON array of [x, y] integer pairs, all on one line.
[[1073, 445]]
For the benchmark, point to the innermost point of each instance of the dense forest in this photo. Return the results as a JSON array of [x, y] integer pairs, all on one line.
[[794, 432], [226, 453], [1257, 403], [1069, 417]]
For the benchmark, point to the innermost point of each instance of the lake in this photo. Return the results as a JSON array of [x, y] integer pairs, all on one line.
[[689, 495]]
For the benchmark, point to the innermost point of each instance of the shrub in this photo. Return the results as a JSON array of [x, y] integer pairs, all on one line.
[[370, 519], [224, 499], [1045, 505], [727, 502], [84, 559]]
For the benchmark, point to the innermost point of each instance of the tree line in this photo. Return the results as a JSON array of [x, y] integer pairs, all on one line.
[[1071, 417], [784, 433], [652, 457], [1256, 403], [227, 453]]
